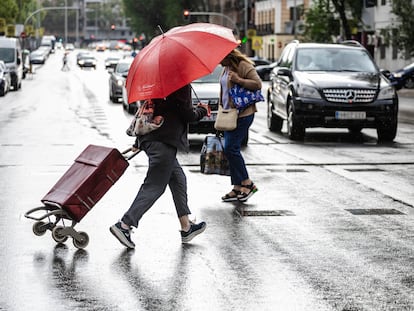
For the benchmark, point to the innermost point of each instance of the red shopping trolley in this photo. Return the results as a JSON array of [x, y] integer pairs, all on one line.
[[92, 174]]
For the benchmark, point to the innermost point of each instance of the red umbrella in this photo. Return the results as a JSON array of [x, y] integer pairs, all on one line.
[[176, 58]]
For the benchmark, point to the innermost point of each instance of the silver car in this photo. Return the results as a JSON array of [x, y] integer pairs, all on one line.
[[5, 80], [207, 91]]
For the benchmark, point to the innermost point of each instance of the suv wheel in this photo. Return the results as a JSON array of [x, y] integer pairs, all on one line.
[[274, 122], [387, 131], [296, 130]]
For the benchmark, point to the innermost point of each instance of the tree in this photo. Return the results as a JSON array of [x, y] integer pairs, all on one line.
[[25, 7], [9, 10], [353, 6], [322, 23], [146, 15], [402, 37]]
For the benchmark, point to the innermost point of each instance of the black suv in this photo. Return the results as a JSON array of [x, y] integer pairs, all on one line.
[[332, 86]]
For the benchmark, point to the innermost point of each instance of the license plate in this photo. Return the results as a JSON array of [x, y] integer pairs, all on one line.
[[350, 115]]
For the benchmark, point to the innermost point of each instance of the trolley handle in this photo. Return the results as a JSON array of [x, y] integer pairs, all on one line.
[[128, 156]]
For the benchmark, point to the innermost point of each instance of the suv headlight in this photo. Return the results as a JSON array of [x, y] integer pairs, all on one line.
[[119, 82], [308, 91], [387, 92]]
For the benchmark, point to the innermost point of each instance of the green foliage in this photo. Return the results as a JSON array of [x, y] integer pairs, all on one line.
[[317, 19], [403, 35], [9, 10], [321, 24], [146, 15], [25, 7]]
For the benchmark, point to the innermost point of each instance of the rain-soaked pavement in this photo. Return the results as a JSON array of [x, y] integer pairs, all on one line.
[[331, 227]]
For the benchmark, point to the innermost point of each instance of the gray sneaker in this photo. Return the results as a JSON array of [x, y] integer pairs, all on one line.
[[123, 235], [195, 229]]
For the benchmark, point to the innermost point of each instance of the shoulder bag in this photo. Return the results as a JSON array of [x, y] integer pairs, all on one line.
[[242, 97], [226, 119], [143, 121]]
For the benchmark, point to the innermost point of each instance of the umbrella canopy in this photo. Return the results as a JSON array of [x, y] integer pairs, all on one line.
[[176, 58]]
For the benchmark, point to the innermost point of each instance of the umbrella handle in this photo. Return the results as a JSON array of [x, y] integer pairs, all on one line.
[[208, 110]]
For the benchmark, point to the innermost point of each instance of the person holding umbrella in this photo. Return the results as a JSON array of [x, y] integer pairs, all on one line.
[[163, 71], [238, 69], [164, 170]]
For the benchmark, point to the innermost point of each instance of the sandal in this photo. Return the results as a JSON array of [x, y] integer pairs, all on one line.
[[231, 196], [246, 192]]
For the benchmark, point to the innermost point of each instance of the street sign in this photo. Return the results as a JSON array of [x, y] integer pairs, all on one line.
[[257, 43], [10, 30], [251, 33]]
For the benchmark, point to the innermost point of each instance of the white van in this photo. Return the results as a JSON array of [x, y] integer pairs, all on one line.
[[11, 54]]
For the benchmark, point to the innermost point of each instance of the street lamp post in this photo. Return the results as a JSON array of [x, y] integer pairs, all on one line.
[[53, 8]]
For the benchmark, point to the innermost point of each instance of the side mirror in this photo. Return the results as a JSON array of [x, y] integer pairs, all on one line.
[[284, 72], [19, 61]]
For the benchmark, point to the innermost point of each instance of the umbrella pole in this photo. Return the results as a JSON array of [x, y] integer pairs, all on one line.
[[159, 27]]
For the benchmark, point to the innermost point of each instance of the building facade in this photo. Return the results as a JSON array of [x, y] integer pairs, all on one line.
[[277, 22]]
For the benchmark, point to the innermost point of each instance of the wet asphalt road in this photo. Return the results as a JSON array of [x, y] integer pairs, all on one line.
[[331, 227]]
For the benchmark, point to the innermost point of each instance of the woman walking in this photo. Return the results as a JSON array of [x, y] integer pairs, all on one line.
[[238, 69], [164, 170]]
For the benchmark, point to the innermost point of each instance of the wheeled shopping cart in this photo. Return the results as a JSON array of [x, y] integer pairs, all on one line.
[[94, 172]]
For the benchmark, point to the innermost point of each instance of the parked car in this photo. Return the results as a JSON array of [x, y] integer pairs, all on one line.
[[87, 60], [332, 86], [117, 79], [264, 71], [403, 77], [5, 80], [37, 57], [11, 54]]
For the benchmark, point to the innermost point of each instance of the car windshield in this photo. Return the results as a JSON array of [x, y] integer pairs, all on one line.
[[335, 59], [122, 67], [212, 77], [7, 55]]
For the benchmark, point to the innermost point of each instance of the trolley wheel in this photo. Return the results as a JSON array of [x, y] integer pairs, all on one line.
[[83, 242], [39, 228], [57, 234]]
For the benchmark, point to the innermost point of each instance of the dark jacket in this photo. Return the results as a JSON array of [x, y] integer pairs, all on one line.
[[178, 111]]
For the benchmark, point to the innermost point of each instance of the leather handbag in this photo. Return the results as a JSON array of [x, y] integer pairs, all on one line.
[[243, 98], [212, 158], [226, 119]]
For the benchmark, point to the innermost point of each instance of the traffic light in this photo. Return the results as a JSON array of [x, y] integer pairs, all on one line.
[[186, 15]]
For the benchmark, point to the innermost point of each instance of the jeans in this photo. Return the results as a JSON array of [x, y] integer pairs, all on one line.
[[163, 170], [232, 145]]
